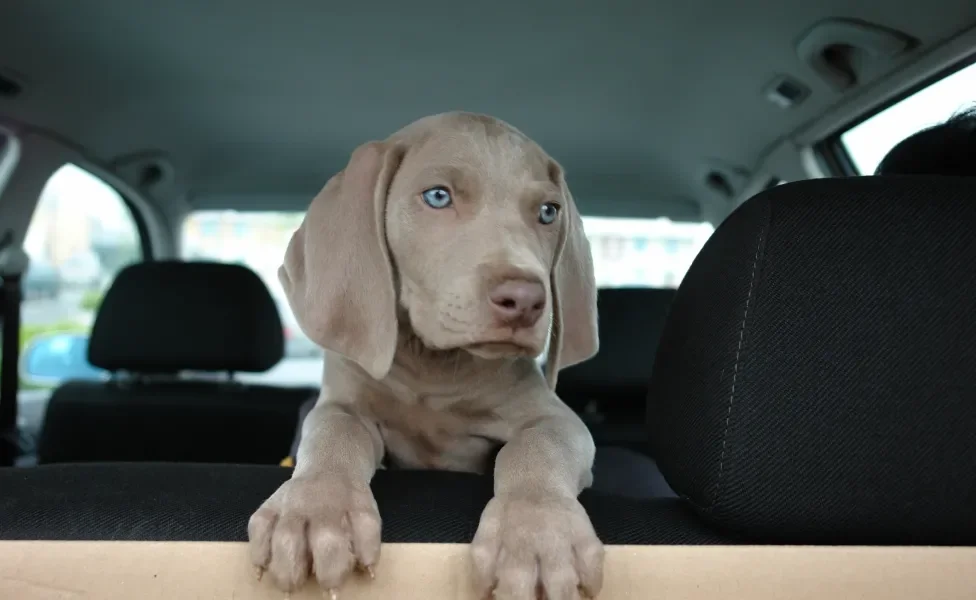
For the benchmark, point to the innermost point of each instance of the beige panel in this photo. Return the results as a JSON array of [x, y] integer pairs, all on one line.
[[148, 570]]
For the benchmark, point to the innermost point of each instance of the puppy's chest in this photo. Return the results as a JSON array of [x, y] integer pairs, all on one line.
[[428, 432]]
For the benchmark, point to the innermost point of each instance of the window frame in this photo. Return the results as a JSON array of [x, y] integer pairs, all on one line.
[[142, 224], [832, 151]]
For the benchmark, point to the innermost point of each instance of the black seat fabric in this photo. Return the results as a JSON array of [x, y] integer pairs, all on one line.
[[176, 421], [816, 379], [214, 502], [610, 390], [168, 316], [157, 320]]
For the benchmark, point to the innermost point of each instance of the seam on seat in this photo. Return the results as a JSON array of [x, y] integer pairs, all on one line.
[[735, 371]]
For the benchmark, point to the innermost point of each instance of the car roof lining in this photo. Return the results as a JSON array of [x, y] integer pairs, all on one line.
[[255, 109]]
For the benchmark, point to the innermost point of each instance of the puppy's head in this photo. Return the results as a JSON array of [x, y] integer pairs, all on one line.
[[458, 223]]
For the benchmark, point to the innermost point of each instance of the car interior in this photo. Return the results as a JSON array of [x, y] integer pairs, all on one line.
[[785, 342]]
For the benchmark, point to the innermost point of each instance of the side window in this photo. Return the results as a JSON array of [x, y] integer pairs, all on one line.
[[81, 235], [869, 141]]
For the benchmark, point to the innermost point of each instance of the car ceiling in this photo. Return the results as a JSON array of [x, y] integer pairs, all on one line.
[[255, 104]]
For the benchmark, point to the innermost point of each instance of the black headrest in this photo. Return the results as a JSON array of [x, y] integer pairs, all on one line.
[[630, 321], [816, 378], [168, 316]]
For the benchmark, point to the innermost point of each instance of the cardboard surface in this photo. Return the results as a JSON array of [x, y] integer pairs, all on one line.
[[149, 570]]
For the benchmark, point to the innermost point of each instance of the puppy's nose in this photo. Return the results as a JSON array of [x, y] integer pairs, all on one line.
[[517, 302]]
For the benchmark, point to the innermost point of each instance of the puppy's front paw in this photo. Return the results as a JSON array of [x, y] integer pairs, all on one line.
[[323, 525], [527, 544]]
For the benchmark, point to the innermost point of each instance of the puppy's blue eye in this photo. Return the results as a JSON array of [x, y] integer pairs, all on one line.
[[437, 197], [548, 213]]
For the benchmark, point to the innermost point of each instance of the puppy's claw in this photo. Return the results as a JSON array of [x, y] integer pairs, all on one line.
[[331, 594], [366, 570], [585, 593], [259, 572]]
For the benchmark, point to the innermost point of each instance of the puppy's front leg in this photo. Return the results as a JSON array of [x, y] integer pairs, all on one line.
[[324, 518], [534, 534]]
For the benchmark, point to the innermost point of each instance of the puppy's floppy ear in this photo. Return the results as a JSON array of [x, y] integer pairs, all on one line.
[[574, 336], [337, 272]]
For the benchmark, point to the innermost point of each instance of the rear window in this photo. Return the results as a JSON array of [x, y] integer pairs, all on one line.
[[869, 141], [643, 252], [626, 253]]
